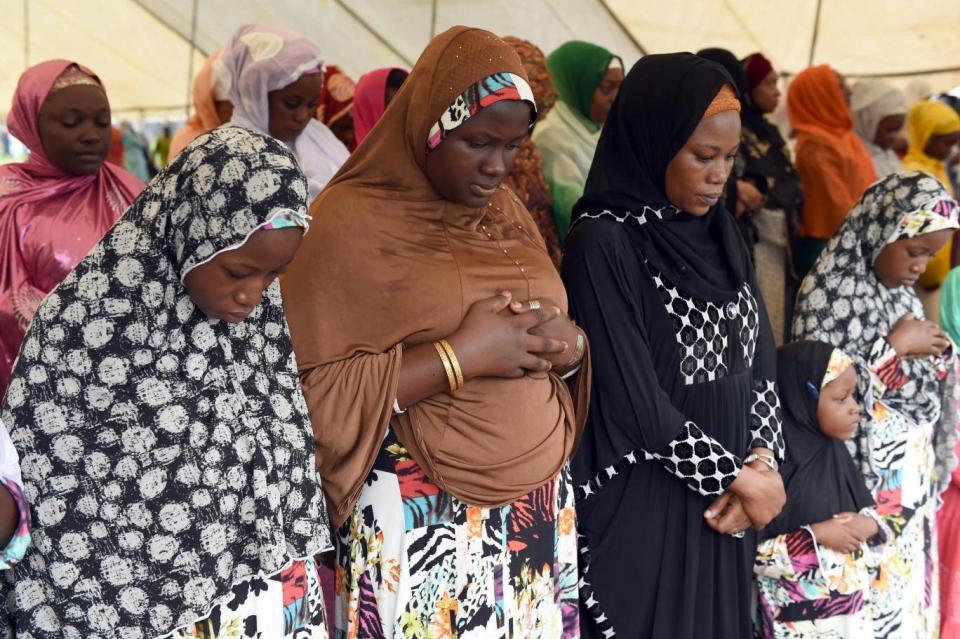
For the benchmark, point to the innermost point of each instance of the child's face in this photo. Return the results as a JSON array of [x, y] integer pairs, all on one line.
[[838, 411], [230, 286], [904, 261]]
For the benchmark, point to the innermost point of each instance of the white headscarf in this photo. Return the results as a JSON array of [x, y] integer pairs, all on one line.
[[871, 101], [261, 58]]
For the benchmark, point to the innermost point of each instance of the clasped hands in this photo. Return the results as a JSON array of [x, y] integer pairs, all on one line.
[[754, 498]]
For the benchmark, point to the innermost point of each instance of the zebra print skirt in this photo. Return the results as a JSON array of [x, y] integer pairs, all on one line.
[[415, 561]]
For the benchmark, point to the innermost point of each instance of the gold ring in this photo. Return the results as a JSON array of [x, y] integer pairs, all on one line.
[[534, 305]]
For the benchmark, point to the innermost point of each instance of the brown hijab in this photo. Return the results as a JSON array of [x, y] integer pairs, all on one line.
[[391, 264], [526, 179]]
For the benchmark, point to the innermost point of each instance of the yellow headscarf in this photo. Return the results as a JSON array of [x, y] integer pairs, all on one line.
[[925, 120]]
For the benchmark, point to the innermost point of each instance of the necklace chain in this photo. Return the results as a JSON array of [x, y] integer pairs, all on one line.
[[516, 262]]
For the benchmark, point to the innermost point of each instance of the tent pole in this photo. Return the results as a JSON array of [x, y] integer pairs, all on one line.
[[903, 74], [190, 52], [376, 34], [616, 19], [26, 34], [816, 33]]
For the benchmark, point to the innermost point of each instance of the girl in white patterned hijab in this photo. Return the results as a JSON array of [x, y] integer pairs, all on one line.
[[165, 444]]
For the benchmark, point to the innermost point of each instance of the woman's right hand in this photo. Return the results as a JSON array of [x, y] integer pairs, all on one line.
[[835, 534], [749, 195], [911, 337], [761, 494], [490, 343]]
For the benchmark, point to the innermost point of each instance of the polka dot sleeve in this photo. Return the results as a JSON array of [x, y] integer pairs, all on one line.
[[700, 460], [766, 421]]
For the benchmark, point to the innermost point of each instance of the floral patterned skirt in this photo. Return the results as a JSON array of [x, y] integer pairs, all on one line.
[[415, 562], [288, 605], [905, 595]]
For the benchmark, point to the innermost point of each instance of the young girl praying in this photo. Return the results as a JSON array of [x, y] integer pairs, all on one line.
[[166, 449], [813, 562]]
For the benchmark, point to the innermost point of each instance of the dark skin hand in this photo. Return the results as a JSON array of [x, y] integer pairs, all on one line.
[[863, 527], [559, 328], [488, 343], [911, 337], [731, 513], [9, 516], [836, 534]]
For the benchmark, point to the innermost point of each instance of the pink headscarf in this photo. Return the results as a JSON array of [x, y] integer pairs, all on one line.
[[369, 101], [49, 219], [261, 58]]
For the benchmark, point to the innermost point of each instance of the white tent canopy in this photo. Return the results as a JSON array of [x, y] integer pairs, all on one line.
[[147, 50]]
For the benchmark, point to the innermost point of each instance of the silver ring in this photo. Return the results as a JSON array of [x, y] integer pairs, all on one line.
[[739, 534], [534, 305]]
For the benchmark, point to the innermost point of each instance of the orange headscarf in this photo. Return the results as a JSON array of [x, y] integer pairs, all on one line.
[[205, 115], [833, 164]]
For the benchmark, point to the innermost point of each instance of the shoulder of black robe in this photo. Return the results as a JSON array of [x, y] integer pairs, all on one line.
[[644, 131], [819, 475]]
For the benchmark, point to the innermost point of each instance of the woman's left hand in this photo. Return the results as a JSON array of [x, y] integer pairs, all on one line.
[[726, 515], [561, 328], [863, 527]]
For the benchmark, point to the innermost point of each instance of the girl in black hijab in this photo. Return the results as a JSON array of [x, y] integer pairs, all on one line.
[[681, 451], [813, 567]]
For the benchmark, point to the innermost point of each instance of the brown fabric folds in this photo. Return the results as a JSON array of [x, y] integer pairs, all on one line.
[[389, 264]]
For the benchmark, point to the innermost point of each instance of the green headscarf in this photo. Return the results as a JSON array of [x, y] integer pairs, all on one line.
[[577, 68], [950, 305]]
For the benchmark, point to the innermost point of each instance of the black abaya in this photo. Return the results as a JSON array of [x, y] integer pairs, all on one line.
[[683, 375]]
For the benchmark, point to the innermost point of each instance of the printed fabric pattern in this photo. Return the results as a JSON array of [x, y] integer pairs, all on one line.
[[416, 562]]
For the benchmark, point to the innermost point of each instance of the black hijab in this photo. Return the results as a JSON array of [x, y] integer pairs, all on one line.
[[731, 193], [819, 474], [729, 62], [660, 104]]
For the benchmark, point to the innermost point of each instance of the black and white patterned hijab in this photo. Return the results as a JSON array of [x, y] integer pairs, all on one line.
[[843, 303], [167, 456]]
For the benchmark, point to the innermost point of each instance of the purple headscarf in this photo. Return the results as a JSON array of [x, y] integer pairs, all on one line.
[[262, 58]]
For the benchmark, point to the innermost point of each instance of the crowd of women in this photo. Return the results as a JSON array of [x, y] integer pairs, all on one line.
[[487, 348]]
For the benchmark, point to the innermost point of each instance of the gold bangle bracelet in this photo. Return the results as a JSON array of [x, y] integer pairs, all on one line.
[[457, 371], [451, 379], [581, 346]]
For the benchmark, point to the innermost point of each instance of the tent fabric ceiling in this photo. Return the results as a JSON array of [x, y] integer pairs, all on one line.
[[141, 48], [142, 62], [871, 38]]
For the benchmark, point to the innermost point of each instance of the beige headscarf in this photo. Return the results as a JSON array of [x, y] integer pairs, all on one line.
[[873, 100], [391, 264]]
